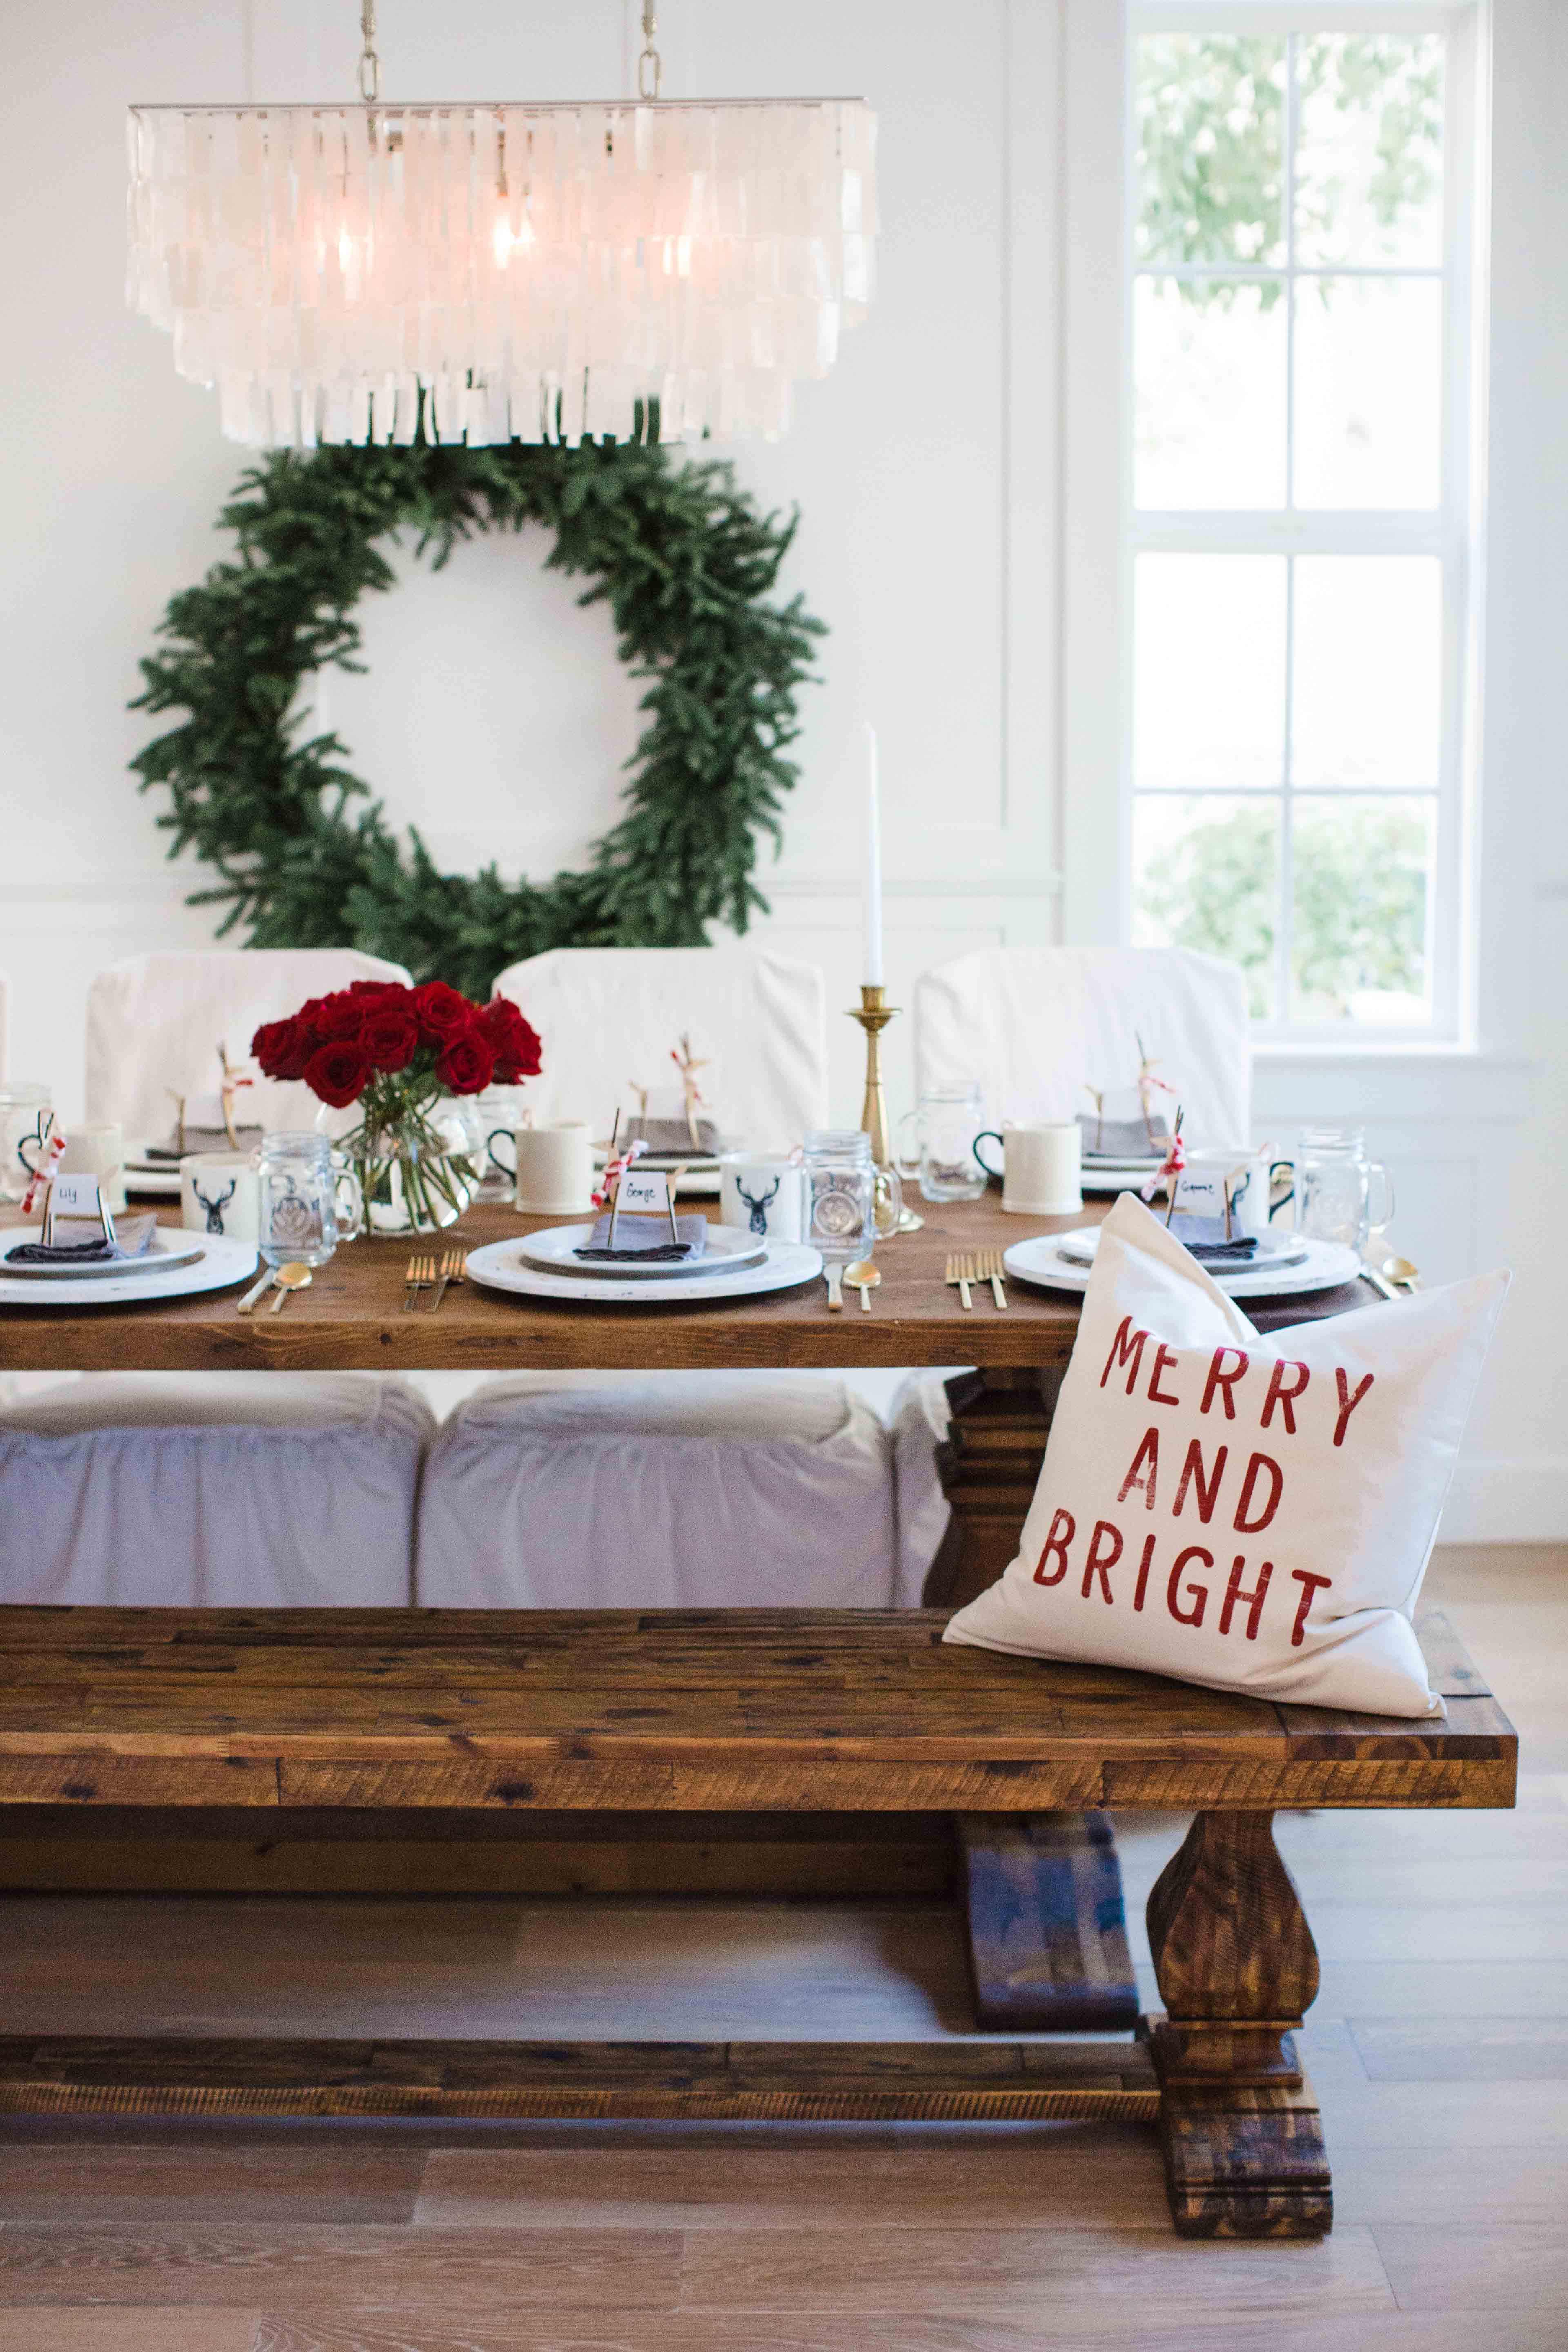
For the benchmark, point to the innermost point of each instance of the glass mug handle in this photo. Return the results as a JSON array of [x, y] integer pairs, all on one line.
[[508, 1135], [351, 1219], [990, 1135], [1281, 1172], [907, 1164], [1375, 1168], [886, 1203]]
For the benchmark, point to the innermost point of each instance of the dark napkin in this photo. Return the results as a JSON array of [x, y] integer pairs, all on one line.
[[647, 1238], [135, 1240], [1205, 1237]]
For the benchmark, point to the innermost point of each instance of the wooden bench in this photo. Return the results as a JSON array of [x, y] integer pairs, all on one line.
[[458, 1715]]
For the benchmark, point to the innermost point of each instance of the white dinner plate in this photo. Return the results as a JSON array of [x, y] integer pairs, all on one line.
[[500, 1266], [553, 1251], [1326, 1264], [221, 1264], [1102, 1181], [151, 1183], [167, 1250], [1274, 1250]]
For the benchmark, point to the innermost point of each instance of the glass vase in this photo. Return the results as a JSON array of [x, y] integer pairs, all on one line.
[[418, 1173]]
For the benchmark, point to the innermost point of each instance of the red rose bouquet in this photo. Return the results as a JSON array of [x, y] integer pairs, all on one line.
[[397, 1052]]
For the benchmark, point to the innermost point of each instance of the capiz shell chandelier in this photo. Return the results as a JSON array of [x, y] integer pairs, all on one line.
[[640, 270]]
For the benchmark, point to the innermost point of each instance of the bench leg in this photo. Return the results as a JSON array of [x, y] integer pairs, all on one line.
[[1236, 1969]]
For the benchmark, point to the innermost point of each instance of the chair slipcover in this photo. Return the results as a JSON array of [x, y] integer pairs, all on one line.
[[608, 1019], [5, 1028], [1036, 1025], [237, 1491], [156, 1022], [683, 1490]]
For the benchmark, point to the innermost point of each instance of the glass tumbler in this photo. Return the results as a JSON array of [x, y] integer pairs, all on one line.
[[24, 1109], [310, 1200], [945, 1125], [1335, 1184], [840, 1194]]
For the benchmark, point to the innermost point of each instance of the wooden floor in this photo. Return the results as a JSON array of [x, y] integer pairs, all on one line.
[[1439, 2047]]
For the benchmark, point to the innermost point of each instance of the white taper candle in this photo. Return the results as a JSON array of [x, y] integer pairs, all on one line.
[[871, 862]]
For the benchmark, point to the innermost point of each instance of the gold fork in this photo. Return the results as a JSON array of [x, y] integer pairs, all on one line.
[[988, 1267], [961, 1270], [454, 1266], [421, 1273]]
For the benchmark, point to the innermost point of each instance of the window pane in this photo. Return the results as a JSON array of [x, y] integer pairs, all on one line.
[[1367, 684], [1206, 875], [1369, 356], [1209, 118], [1369, 152], [1211, 394], [1361, 890], [1208, 671]]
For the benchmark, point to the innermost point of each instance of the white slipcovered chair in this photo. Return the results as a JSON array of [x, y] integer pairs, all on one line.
[[608, 1019], [239, 1491], [689, 1490], [4, 1027], [154, 1023], [1036, 1026]]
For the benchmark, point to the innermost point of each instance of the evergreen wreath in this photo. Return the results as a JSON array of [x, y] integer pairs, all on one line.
[[685, 559]]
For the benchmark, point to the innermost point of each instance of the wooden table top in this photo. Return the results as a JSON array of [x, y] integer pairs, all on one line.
[[709, 1710], [351, 1318]]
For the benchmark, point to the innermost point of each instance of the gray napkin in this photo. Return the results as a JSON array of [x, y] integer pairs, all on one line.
[[134, 1239], [643, 1237]]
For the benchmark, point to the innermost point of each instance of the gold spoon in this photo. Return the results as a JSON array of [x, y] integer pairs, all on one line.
[[288, 1278], [1400, 1272], [864, 1277]]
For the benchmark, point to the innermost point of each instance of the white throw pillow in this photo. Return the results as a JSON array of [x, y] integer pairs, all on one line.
[[1254, 1512]]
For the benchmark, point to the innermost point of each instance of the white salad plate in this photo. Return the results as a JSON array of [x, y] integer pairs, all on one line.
[[166, 1251], [218, 1265], [553, 1251], [1325, 1264], [1274, 1250], [152, 1180], [783, 1265]]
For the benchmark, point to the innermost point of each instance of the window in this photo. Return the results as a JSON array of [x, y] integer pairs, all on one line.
[[1299, 543]]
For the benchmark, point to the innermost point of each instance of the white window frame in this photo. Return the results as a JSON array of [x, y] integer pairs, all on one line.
[[1098, 719]]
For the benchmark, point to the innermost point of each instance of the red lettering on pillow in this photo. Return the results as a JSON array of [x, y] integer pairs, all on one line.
[[1254, 1599], [1148, 1451], [1348, 1403], [1192, 1470], [1098, 1561], [1056, 1543], [1156, 1393], [1309, 1584], [1200, 1593], [1278, 1394], [1219, 1380], [1125, 1351], [1241, 1523], [1143, 1565]]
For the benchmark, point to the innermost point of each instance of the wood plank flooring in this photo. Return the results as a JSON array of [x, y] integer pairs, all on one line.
[[1437, 2047]]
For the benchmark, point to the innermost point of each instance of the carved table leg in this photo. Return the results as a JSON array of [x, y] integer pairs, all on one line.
[[1047, 1932], [1237, 1967]]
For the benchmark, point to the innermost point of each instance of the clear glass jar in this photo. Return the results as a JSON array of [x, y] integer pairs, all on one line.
[[24, 1107], [310, 1200], [1334, 1186], [840, 1194], [946, 1127]]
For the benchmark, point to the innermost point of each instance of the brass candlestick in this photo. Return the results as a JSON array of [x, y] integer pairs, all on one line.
[[873, 1013]]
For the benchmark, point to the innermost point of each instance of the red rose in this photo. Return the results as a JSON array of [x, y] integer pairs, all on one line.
[[443, 1013], [390, 1036], [283, 1048], [338, 1072], [378, 988], [342, 1016], [467, 1066], [514, 1043]]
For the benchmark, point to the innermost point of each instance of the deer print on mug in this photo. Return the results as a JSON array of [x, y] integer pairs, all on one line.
[[219, 1194], [758, 1205], [215, 1209], [762, 1194]]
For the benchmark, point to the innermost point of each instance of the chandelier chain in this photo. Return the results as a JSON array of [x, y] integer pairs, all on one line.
[[650, 65], [369, 63]]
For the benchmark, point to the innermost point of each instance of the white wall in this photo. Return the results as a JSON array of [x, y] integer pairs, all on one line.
[[926, 469]]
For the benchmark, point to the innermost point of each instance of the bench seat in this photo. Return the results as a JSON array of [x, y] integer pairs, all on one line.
[[748, 1712]]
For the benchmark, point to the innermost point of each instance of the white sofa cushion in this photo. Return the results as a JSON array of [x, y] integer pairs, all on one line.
[[229, 1490], [677, 1490]]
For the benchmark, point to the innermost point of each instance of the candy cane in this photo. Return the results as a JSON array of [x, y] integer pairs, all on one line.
[[43, 1176]]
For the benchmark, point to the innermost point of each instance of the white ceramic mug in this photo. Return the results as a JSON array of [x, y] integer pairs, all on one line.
[[98, 1151], [220, 1193], [762, 1193], [554, 1170], [1041, 1171], [1246, 1173]]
